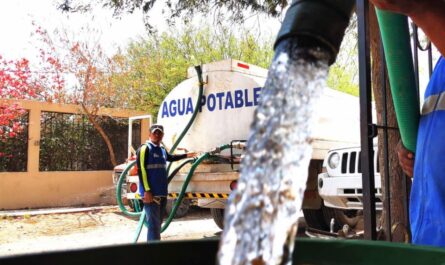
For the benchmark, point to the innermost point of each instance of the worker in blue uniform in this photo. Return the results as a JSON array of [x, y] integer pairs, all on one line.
[[427, 166], [151, 159]]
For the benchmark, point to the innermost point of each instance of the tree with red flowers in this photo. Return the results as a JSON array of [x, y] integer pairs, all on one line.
[[19, 81], [16, 83]]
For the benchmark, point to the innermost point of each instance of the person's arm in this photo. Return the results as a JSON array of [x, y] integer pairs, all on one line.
[[406, 159], [429, 15], [141, 160], [173, 158]]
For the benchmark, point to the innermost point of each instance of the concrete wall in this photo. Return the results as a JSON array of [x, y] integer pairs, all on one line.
[[55, 189], [35, 189]]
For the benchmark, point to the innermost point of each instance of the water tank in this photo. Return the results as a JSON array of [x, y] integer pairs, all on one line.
[[231, 93]]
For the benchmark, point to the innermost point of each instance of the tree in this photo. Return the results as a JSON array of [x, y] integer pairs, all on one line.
[[17, 82], [343, 74], [20, 81], [91, 68], [399, 220], [152, 67], [237, 10]]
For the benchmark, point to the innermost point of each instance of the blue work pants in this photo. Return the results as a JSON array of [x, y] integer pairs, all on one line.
[[154, 213]]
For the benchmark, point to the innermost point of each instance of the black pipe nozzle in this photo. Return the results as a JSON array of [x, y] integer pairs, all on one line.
[[317, 23]]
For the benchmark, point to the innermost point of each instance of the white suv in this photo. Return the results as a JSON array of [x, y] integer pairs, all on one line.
[[340, 184]]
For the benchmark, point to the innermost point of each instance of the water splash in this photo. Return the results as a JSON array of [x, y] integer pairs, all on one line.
[[261, 218]]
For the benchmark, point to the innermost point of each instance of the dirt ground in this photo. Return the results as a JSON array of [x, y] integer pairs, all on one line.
[[31, 232]]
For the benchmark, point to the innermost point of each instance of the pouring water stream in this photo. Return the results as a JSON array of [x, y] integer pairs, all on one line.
[[261, 218]]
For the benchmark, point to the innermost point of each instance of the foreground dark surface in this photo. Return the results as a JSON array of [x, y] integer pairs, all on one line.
[[197, 252]]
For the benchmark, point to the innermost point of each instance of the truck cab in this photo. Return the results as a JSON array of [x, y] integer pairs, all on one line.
[[340, 187], [340, 183]]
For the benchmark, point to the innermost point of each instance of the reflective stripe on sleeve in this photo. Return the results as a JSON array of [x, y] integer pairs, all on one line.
[[433, 103], [429, 104], [143, 170], [154, 166]]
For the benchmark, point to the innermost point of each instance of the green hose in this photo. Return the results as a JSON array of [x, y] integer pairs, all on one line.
[[183, 189], [181, 194], [195, 113], [396, 42], [136, 203], [142, 221], [120, 182], [124, 173], [185, 185], [178, 200]]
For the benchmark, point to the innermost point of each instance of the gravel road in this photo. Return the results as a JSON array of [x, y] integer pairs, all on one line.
[[41, 231]]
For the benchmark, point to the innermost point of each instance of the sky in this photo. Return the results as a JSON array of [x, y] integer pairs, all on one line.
[[16, 17], [19, 41]]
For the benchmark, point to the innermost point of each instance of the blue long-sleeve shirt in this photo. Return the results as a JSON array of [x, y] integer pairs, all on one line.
[[427, 205]]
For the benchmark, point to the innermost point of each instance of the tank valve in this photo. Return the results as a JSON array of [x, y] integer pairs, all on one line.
[[239, 145], [216, 150], [317, 23]]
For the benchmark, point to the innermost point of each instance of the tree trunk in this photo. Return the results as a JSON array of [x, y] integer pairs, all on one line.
[[102, 134], [399, 218]]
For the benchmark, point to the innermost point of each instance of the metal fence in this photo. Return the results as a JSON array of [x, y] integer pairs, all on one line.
[[14, 147], [69, 142]]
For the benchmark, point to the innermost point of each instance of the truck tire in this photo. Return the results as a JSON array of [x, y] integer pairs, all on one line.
[[315, 219], [218, 217], [182, 209]]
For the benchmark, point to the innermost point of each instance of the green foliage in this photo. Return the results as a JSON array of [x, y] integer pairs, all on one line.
[[340, 79], [69, 142], [151, 67], [343, 74], [14, 150], [185, 10]]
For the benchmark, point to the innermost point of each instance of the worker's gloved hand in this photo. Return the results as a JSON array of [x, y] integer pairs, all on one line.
[[148, 197], [192, 154], [406, 159]]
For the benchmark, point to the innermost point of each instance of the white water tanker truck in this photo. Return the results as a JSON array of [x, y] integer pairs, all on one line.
[[232, 90]]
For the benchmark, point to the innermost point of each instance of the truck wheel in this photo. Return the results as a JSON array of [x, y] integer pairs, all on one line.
[[218, 216], [315, 219], [182, 209]]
